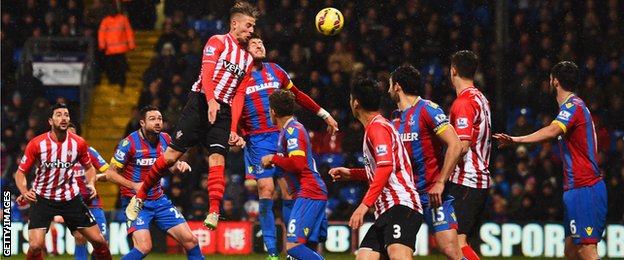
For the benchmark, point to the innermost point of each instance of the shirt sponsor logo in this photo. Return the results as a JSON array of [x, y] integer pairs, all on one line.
[[565, 115], [462, 123], [263, 86], [408, 137], [210, 51], [381, 149], [292, 143], [234, 69], [57, 164], [145, 161]]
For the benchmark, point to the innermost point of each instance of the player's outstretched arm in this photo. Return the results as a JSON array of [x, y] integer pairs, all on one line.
[[544, 134], [346, 174], [308, 103], [180, 167]]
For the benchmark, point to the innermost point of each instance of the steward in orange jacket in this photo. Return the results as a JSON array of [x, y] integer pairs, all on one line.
[[115, 35]]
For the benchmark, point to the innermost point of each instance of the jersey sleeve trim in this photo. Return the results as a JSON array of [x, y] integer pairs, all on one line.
[[296, 153], [442, 128], [116, 163], [560, 124], [104, 167]]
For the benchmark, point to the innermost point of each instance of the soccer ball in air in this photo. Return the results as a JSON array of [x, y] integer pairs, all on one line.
[[329, 21]]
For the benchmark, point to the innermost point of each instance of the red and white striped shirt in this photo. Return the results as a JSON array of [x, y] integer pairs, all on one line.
[[470, 116], [382, 147], [224, 65], [55, 172]]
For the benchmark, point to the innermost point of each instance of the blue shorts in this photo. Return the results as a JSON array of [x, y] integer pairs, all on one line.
[[259, 145], [442, 218], [100, 218], [308, 222], [585, 213], [161, 211]]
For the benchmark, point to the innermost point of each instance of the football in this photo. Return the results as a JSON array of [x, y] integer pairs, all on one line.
[[329, 21]]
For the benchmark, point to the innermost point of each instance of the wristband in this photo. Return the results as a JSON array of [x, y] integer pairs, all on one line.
[[323, 114]]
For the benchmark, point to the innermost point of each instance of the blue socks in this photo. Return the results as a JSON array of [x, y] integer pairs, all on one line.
[[194, 253], [267, 223], [303, 252], [287, 206], [80, 253], [133, 254]]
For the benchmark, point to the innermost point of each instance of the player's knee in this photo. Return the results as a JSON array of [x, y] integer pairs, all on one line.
[[217, 156], [190, 242], [35, 246], [172, 155], [145, 247]]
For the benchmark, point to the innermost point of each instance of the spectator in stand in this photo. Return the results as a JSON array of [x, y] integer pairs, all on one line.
[[116, 38]]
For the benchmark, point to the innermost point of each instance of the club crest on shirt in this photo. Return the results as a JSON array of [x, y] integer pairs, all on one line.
[[411, 121], [381, 149], [124, 143], [269, 77], [462, 123]]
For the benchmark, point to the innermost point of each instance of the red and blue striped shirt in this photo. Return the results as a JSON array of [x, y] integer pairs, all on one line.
[[100, 165]]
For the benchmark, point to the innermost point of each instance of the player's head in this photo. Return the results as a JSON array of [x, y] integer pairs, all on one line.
[[365, 96], [404, 79], [151, 120], [255, 46], [242, 21], [565, 75], [282, 104], [59, 117], [463, 65]]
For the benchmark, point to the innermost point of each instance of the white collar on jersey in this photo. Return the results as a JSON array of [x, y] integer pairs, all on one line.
[[288, 121]]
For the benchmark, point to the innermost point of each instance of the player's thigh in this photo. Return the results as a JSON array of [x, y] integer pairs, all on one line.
[[400, 225], [166, 214], [144, 218], [400, 251], [100, 218], [192, 124], [216, 136], [77, 215], [92, 234], [266, 187], [367, 253], [306, 220], [441, 218], [585, 213], [41, 214]]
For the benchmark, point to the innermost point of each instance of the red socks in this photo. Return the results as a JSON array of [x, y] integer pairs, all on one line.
[[469, 253], [101, 252], [31, 255], [216, 187], [153, 177]]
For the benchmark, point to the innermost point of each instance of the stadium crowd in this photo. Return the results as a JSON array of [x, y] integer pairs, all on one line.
[[376, 39]]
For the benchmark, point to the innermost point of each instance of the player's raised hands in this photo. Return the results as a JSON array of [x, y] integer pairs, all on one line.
[[213, 109], [332, 125], [181, 167], [340, 174], [504, 140], [266, 161], [357, 219]]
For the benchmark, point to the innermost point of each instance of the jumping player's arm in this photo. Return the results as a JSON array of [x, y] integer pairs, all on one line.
[[346, 174], [212, 51], [437, 120], [462, 115], [29, 157], [304, 100]]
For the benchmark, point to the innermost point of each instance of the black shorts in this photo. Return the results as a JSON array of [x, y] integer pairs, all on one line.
[[74, 212], [399, 224], [469, 204], [193, 126]]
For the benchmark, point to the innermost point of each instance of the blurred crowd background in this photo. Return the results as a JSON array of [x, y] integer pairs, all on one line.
[[376, 39]]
